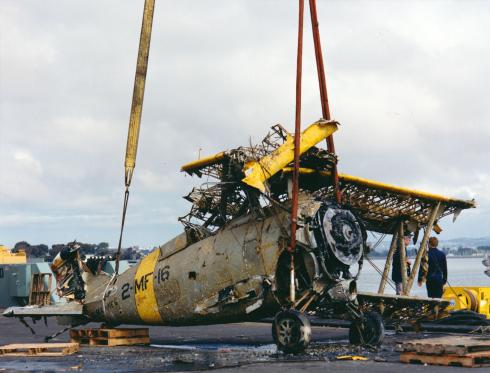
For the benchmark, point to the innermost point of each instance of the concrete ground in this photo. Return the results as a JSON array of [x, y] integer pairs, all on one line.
[[246, 347]]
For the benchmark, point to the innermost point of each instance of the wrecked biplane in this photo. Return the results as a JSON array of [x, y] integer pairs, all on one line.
[[231, 264], [235, 260]]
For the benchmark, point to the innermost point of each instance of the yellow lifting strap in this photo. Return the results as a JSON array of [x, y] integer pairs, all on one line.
[[136, 109], [138, 91], [257, 172]]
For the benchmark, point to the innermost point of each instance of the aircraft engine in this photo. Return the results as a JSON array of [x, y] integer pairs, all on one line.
[[340, 239]]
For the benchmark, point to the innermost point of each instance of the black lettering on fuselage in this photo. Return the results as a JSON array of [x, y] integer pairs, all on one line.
[[125, 291], [163, 274], [142, 285]]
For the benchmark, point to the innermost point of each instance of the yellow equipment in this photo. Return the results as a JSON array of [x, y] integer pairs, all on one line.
[[352, 357], [471, 298], [8, 257]]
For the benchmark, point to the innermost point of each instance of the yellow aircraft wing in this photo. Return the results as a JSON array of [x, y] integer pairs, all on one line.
[[257, 172], [382, 205]]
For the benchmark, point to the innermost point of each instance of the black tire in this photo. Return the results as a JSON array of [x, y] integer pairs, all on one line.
[[369, 331], [291, 331]]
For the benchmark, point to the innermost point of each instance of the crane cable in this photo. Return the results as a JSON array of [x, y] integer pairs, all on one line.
[[376, 268], [136, 110]]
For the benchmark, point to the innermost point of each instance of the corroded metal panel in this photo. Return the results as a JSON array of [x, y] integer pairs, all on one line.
[[174, 245], [119, 305], [273, 241], [218, 277], [213, 280], [186, 277], [251, 250]]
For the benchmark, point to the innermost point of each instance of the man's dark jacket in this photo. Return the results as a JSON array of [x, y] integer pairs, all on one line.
[[396, 271], [437, 272]]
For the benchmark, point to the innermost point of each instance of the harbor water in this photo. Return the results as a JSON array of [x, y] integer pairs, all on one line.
[[461, 272]]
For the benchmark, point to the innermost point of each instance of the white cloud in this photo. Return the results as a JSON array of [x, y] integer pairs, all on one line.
[[25, 159], [407, 80], [22, 176]]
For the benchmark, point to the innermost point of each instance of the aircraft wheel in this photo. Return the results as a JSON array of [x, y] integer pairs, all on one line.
[[370, 330], [291, 331]]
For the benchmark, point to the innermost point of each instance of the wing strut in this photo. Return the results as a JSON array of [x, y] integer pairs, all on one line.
[[136, 109]]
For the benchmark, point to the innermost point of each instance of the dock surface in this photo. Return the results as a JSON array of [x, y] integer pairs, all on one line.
[[246, 347]]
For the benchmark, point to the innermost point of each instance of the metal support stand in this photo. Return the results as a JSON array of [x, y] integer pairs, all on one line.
[[403, 257], [389, 259]]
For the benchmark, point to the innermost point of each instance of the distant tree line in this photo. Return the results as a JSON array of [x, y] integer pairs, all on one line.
[[411, 252], [460, 251], [36, 251], [86, 249]]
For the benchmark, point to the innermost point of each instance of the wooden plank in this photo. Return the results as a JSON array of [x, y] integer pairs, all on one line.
[[110, 337], [479, 359], [128, 341], [39, 349], [126, 333], [456, 345], [403, 258], [31, 293], [111, 342], [110, 333], [40, 294], [74, 333]]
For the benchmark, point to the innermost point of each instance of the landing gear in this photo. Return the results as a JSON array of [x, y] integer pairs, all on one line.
[[291, 331], [369, 330]]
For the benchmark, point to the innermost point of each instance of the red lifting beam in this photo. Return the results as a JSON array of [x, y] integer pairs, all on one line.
[[323, 90], [297, 128]]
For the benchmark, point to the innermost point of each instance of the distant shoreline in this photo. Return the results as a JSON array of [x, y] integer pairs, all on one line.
[[480, 256], [465, 256]]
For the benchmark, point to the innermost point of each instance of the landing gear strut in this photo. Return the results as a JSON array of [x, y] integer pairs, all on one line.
[[291, 331], [368, 330]]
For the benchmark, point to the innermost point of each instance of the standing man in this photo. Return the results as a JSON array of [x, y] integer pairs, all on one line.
[[436, 276], [396, 271]]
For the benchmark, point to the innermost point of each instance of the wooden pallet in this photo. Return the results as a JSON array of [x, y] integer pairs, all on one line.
[[39, 349], [40, 293], [462, 351], [110, 337], [451, 345], [471, 360]]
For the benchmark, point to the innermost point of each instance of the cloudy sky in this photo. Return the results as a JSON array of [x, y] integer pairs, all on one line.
[[408, 81]]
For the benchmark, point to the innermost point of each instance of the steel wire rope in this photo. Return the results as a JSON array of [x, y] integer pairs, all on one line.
[[376, 268]]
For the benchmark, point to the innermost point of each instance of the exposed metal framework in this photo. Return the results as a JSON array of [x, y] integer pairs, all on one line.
[[227, 194], [382, 206]]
